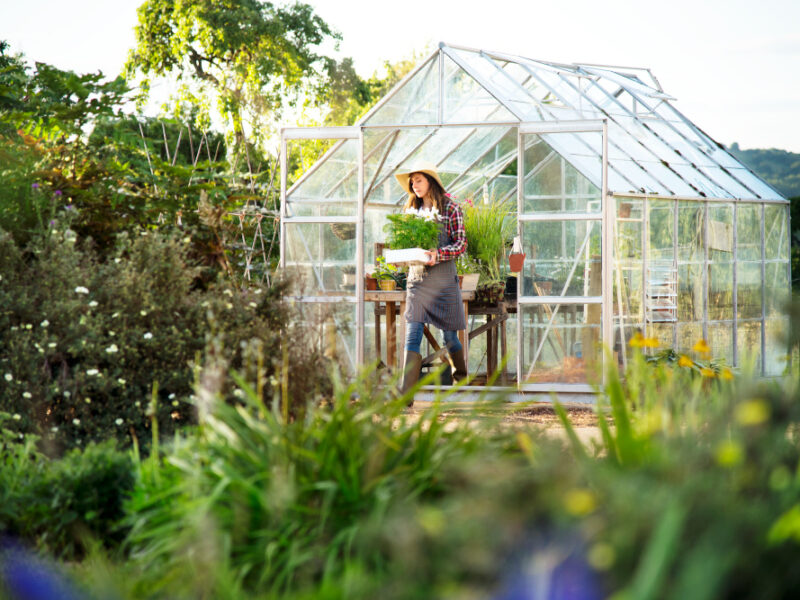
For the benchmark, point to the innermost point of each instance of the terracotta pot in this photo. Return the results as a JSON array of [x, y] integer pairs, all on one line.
[[387, 285], [372, 283], [516, 262], [624, 210]]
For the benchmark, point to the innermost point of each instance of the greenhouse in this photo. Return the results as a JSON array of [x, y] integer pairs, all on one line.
[[634, 223]]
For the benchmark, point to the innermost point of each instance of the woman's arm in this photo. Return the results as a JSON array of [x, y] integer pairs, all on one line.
[[454, 222]]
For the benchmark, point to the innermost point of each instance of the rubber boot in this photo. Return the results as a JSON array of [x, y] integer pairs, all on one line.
[[459, 365], [411, 367]]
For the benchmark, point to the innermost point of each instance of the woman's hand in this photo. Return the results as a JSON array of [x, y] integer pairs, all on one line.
[[431, 254]]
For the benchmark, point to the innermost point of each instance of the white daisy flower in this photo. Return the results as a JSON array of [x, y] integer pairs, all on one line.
[[44, 323], [148, 336], [92, 372], [81, 290], [119, 421], [112, 349]]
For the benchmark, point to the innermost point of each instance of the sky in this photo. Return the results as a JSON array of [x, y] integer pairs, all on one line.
[[732, 65]]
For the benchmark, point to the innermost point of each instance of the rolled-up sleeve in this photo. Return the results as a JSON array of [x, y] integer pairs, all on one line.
[[454, 225]]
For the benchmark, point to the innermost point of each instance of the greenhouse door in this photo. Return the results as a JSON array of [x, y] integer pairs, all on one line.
[[563, 320], [322, 218]]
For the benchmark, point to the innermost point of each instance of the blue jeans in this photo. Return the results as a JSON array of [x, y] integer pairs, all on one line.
[[414, 338]]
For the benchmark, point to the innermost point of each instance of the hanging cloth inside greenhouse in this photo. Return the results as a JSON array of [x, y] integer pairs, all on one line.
[[433, 295]]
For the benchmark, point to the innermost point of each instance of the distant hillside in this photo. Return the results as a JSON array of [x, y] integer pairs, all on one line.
[[779, 168]]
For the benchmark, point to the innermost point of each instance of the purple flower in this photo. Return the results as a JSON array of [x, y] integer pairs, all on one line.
[[52, 223], [35, 186], [57, 192], [69, 207]]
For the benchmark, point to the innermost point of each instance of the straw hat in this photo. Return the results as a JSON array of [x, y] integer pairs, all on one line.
[[420, 167]]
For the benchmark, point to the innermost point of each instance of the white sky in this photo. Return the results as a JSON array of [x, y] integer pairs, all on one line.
[[733, 65]]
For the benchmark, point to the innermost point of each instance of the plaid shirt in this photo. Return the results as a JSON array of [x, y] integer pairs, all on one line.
[[453, 220]]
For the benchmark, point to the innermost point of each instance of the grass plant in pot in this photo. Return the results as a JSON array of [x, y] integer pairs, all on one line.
[[490, 227]]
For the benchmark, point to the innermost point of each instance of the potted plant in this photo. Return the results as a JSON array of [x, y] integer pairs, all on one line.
[[468, 272], [349, 276], [490, 228], [385, 274]]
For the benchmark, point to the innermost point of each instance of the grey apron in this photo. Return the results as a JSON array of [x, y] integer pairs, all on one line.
[[433, 295]]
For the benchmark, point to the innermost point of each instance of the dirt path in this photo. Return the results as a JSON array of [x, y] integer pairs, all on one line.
[[538, 415]]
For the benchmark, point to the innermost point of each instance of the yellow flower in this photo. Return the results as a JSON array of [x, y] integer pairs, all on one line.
[[752, 412], [636, 340], [726, 374], [580, 502], [650, 343], [702, 347], [729, 454], [706, 372], [685, 361]]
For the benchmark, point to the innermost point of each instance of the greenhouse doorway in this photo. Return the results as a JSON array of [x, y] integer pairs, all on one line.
[[564, 313]]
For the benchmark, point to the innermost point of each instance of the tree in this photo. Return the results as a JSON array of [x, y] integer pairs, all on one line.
[[248, 56]]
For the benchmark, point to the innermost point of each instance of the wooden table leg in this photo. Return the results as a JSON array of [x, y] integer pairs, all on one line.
[[391, 339], [463, 335], [377, 330], [402, 319], [503, 352], [491, 350]]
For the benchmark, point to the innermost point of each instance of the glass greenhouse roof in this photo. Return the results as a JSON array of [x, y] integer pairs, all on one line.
[[652, 148]]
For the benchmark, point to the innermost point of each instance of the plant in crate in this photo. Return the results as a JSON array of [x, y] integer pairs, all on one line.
[[412, 229]]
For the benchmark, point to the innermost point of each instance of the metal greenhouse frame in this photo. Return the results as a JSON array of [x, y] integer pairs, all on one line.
[[635, 221]]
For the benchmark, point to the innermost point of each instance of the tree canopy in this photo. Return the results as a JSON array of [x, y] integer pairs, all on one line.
[[249, 57]]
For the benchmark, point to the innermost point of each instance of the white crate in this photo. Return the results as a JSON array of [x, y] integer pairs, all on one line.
[[406, 256]]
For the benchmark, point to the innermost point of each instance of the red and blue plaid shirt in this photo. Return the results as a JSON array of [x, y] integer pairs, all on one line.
[[453, 219]]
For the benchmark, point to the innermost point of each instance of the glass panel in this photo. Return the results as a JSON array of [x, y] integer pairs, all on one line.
[[390, 148], [664, 333], [562, 256], [776, 238], [720, 339], [748, 344], [333, 328], [720, 291], [565, 340], [690, 292], [491, 75], [720, 232], [552, 184], [748, 290], [690, 231], [777, 287], [775, 350], [477, 347], [416, 102], [628, 243], [688, 335], [318, 254], [479, 180], [331, 189], [754, 183], [466, 101], [661, 231], [748, 232]]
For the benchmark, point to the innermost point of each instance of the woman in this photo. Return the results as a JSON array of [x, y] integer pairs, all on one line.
[[433, 296]]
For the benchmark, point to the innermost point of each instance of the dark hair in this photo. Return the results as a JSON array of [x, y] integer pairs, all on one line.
[[436, 191]]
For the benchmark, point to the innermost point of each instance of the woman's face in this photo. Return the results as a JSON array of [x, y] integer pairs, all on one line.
[[420, 185]]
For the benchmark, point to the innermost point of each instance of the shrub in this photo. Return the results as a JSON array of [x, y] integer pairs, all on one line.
[[83, 342], [60, 505]]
